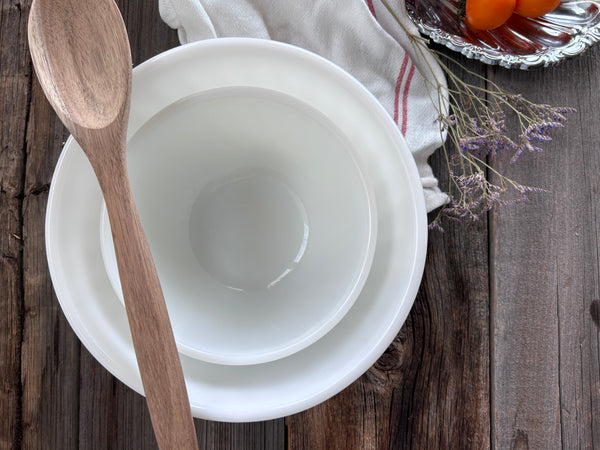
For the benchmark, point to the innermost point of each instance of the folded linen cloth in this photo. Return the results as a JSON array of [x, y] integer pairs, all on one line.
[[360, 36]]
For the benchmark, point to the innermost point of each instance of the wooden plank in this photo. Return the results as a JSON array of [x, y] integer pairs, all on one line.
[[431, 387], [267, 435], [111, 414], [545, 275], [50, 352], [15, 75], [11, 320]]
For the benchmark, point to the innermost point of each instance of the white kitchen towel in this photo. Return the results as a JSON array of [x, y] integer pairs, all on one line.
[[361, 36]]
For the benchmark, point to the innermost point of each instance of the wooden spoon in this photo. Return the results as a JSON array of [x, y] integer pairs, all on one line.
[[82, 58]]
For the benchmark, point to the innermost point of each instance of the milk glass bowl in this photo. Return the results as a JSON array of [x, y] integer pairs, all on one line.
[[261, 223]]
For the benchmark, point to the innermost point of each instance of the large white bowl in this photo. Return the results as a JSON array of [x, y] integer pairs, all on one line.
[[310, 376], [261, 224]]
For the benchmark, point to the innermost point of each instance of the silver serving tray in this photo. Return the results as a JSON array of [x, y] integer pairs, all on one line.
[[521, 42]]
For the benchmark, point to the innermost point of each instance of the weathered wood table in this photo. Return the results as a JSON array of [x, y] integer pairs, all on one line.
[[501, 349]]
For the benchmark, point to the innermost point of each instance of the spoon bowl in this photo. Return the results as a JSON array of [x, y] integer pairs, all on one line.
[[87, 79]]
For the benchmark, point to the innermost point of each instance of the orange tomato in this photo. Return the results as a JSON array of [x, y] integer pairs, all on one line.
[[535, 8], [488, 14]]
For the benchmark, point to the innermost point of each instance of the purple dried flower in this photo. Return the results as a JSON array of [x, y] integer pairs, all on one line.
[[478, 131], [436, 224]]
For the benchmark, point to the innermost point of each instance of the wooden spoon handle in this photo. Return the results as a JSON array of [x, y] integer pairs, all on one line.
[[155, 348]]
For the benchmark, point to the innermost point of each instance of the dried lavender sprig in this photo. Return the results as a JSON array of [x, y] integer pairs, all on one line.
[[476, 128]]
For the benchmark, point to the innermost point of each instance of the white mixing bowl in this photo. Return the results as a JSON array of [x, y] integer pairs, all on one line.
[[261, 222]]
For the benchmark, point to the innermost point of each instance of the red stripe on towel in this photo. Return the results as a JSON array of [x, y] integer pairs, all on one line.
[[398, 84], [371, 7], [411, 72]]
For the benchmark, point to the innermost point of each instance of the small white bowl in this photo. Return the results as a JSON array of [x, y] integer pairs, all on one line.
[[261, 222]]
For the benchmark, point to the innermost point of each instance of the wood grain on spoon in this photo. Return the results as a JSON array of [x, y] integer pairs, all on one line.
[[82, 58]]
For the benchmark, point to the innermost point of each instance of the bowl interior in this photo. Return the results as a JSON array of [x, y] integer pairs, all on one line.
[[261, 222]]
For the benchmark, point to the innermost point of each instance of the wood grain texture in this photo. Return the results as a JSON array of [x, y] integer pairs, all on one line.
[[49, 351], [110, 414], [15, 77], [545, 276], [267, 435]]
